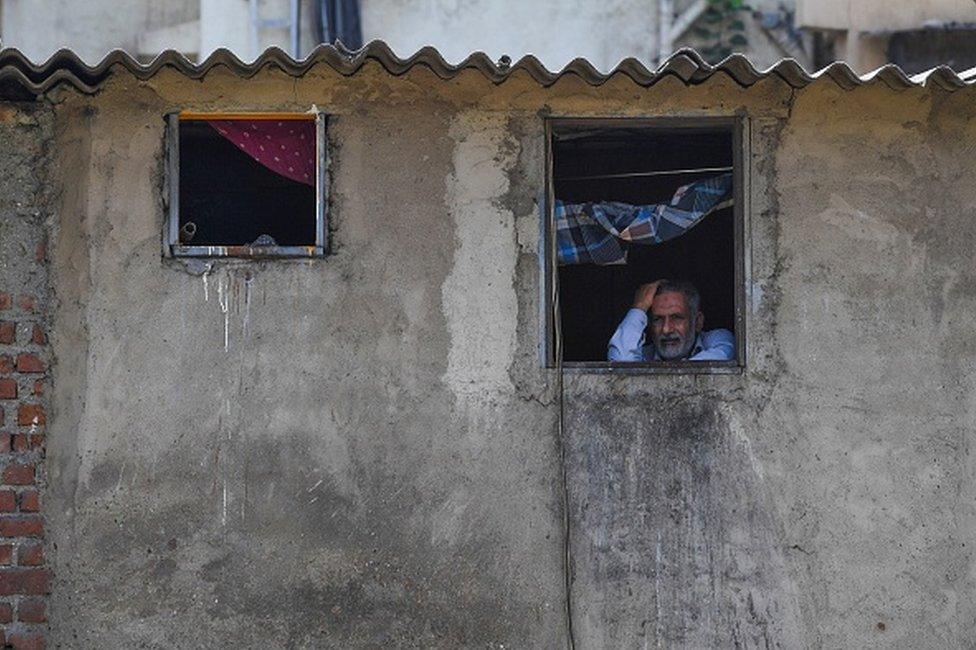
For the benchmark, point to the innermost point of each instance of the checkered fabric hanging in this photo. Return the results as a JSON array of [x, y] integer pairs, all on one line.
[[594, 233]]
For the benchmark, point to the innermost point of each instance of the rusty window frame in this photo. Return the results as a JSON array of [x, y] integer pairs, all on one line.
[[171, 241], [551, 347]]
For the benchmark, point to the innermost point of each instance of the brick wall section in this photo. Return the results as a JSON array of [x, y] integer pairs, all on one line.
[[25, 576]]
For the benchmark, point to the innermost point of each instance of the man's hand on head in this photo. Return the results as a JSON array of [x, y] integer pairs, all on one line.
[[644, 295]]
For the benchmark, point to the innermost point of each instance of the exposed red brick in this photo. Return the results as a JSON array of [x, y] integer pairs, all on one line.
[[30, 526], [32, 640], [27, 362], [8, 331], [29, 582], [32, 610], [19, 474], [27, 302], [30, 501], [25, 581], [30, 554], [40, 251], [9, 114], [28, 414]]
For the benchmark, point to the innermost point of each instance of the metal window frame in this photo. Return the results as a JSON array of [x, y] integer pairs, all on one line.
[[738, 125], [172, 246]]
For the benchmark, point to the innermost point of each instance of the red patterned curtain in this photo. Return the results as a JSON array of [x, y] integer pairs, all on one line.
[[286, 147]]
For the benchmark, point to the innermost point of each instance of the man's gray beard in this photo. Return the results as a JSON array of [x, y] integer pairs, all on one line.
[[682, 352]]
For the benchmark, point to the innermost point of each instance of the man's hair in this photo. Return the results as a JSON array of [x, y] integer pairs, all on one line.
[[692, 297]]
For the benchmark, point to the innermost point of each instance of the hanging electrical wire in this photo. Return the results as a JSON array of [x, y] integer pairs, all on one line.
[[662, 172]]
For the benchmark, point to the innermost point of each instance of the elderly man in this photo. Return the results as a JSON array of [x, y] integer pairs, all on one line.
[[676, 327]]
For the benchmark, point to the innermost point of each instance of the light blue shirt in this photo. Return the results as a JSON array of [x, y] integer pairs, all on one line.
[[627, 343]]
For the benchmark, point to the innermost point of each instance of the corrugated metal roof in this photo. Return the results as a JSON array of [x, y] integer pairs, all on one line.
[[64, 67]]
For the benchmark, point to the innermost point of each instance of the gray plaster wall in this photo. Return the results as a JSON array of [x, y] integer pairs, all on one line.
[[364, 451], [305, 454], [824, 498]]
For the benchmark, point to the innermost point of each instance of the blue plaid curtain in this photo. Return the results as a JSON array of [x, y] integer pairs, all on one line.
[[594, 233]]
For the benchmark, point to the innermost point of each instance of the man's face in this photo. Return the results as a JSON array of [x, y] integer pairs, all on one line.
[[673, 326]]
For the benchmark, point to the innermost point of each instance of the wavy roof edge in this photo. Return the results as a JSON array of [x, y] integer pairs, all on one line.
[[65, 67]]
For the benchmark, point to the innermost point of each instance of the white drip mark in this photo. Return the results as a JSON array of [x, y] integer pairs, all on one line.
[[247, 304], [223, 512], [206, 289], [657, 589], [315, 486], [224, 300]]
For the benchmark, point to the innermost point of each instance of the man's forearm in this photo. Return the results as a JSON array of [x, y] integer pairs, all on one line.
[[627, 343]]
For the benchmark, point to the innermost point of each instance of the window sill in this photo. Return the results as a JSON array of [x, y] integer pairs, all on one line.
[[250, 252], [654, 367]]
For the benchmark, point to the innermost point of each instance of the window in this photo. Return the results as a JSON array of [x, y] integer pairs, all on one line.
[[631, 201], [246, 185]]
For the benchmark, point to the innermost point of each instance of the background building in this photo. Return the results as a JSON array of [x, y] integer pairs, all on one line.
[[556, 31], [916, 35]]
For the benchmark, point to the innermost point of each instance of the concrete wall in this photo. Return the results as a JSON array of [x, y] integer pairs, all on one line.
[[824, 498], [555, 32], [91, 29], [372, 457], [143, 28], [336, 475]]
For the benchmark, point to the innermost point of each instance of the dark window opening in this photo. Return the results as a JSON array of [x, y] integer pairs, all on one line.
[[924, 49], [246, 187], [642, 166]]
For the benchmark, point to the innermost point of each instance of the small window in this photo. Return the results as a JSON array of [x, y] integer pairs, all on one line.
[[636, 201], [246, 185]]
